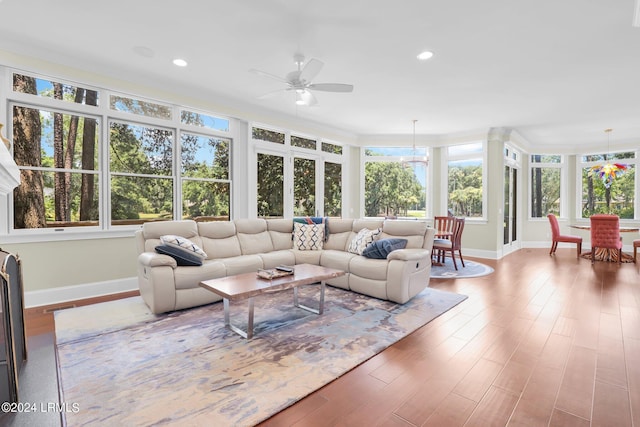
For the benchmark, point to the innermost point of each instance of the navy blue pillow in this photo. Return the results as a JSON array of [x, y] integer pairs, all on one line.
[[182, 256], [383, 247]]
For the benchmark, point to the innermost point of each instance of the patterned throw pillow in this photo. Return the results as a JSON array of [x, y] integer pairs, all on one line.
[[308, 237], [380, 249], [363, 239], [183, 243]]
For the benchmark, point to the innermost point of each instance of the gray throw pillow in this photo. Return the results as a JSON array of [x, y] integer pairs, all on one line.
[[182, 256], [383, 247]]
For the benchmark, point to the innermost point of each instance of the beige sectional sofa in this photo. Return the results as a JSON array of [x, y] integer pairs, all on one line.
[[246, 245]]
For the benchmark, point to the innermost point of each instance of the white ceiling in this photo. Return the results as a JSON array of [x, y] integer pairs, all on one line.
[[559, 72]]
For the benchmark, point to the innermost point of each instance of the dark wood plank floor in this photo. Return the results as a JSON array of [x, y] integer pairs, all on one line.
[[544, 341]]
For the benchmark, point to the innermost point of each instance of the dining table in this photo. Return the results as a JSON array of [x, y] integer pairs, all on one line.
[[606, 254]]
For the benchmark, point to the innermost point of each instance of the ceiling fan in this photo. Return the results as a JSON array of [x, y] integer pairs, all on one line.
[[300, 81]]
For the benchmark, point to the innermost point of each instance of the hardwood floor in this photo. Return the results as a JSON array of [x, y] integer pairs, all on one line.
[[544, 341], [548, 341]]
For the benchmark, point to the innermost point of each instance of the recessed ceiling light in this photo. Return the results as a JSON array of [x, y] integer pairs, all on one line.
[[180, 62], [423, 56]]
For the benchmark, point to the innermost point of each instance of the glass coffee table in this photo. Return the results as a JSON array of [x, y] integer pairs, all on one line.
[[249, 285]]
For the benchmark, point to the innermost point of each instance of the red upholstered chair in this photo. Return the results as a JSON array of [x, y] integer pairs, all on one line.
[[636, 245], [557, 237], [605, 234]]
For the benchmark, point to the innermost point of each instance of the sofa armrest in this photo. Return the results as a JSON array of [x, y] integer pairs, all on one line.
[[407, 274], [408, 254], [152, 259]]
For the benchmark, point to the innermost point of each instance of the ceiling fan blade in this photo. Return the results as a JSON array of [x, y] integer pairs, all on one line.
[[269, 75], [311, 70], [331, 87]]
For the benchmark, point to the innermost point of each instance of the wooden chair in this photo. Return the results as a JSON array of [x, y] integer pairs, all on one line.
[[441, 246], [636, 245], [445, 224], [605, 234], [557, 237], [444, 231]]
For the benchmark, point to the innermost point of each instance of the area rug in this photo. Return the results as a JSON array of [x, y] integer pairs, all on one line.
[[470, 269], [121, 365]]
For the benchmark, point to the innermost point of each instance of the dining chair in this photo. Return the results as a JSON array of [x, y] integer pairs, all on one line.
[[636, 245], [444, 231], [565, 238], [443, 223], [441, 246], [605, 234]]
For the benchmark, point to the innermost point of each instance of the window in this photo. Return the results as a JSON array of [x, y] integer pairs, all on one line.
[[267, 135], [270, 184], [297, 141], [294, 176], [142, 108], [60, 138], [333, 189], [546, 185], [57, 156], [331, 148], [465, 180], [619, 197], [49, 89], [204, 120], [395, 181], [206, 187], [141, 165]]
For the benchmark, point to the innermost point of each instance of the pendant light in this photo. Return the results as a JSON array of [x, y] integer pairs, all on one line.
[[608, 171]]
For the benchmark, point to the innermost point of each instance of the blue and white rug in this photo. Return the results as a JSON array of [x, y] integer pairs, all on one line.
[[124, 366], [471, 269]]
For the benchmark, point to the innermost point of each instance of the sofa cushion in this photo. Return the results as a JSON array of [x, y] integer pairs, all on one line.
[[242, 264], [368, 268], [379, 249], [280, 230], [253, 236], [276, 258], [308, 237], [182, 243], [183, 257], [336, 259], [412, 230], [363, 239]]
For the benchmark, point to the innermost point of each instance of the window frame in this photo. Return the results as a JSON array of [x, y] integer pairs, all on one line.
[[446, 158], [563, 166], [289, 151], [580, 164], [398, 158], [104, 115]]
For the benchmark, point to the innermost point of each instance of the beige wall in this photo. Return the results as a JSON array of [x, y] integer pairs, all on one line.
[[48, 265]]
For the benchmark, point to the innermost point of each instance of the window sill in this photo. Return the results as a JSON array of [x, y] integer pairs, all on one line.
[[39, 236]]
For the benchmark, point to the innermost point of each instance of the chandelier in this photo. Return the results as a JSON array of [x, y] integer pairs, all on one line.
[[414, 160], [608, 171]]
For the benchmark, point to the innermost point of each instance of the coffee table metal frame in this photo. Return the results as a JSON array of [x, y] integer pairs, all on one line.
[[248, 285]]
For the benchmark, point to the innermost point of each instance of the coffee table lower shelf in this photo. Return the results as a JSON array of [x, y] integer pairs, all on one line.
[[246, 286], [248, 334]]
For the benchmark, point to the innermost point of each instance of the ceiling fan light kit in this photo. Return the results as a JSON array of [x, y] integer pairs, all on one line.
[[301, 81]]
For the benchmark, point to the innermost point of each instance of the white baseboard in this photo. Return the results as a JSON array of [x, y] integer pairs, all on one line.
[[79, 292]]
